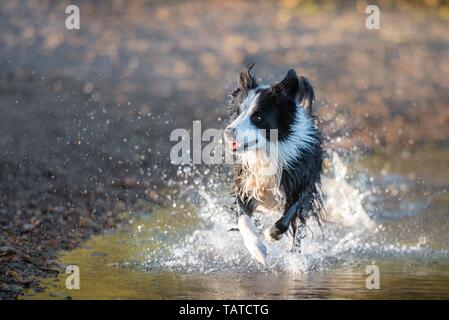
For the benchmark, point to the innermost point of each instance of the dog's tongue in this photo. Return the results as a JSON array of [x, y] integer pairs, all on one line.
[[234, 145]]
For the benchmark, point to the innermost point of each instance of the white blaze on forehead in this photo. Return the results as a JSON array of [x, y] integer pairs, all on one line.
[[250, 102], [243, 122], [246, 109]]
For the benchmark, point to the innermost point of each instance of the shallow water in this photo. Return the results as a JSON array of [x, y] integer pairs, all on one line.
[[387, 211]]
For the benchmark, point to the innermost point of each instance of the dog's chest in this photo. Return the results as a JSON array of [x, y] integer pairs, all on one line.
[[260, 179]]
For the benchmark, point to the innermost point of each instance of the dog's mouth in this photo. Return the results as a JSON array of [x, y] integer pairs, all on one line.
[[235, 146]]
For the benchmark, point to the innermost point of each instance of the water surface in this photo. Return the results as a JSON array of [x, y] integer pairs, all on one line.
[[387, 211]]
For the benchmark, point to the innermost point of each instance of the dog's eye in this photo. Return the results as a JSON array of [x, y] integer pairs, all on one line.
[[257, 117]]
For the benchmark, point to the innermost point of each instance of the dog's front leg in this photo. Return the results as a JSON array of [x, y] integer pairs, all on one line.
[[281, 226], [248, 230]]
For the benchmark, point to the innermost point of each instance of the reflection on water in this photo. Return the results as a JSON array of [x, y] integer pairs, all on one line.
[[388, 211]]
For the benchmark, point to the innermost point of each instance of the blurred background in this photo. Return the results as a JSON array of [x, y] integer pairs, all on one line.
[[85, 115]]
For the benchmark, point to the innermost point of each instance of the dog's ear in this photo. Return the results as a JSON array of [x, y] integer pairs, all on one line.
[[306, 94], [289, 86], [293, 88], [246, 79]]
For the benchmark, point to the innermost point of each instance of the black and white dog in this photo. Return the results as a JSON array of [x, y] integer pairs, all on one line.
[[287, 180]]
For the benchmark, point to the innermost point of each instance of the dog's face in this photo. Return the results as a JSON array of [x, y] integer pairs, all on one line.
[[265, 114]]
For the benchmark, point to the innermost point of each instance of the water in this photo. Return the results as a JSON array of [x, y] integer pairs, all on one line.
[[390, 212]]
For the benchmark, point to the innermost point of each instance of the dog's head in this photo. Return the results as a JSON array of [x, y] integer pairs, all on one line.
[[266, 113]]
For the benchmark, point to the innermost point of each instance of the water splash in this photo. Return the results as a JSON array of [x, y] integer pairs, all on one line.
[[350, 234]]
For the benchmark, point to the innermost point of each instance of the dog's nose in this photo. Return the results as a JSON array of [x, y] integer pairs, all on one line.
[[230, 132]]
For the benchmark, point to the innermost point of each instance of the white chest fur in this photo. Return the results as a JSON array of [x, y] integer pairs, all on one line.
[[261, 179]]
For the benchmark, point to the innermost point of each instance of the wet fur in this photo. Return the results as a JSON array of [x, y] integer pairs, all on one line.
[[287, 106]]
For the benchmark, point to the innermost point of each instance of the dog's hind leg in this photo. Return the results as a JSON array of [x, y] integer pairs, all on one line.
[[245, 207], [294, 229], [297, 235]]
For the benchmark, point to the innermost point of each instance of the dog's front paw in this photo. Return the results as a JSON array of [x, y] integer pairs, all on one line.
[[273, 234]]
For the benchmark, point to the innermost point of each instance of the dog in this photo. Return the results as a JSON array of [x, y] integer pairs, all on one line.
[[288, 182]]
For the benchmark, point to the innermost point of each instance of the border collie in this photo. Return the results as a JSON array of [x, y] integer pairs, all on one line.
[[288, 182]]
